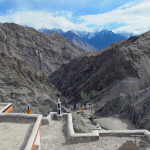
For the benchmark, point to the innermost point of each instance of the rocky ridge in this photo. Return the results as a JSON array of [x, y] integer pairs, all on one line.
[[136, 105]]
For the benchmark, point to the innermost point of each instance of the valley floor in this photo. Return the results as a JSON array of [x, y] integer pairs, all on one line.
[[116, 123]]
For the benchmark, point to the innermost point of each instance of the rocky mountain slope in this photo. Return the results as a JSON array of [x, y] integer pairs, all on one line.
[[76, 40], [120, 69], [46, 52], [21, 85], [72, 37], [136, 105]]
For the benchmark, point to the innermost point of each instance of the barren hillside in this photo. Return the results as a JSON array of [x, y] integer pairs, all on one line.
[[46, 52]]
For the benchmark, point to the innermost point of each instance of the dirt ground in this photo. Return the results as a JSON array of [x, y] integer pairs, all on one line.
[[116, 123], [129, 146]]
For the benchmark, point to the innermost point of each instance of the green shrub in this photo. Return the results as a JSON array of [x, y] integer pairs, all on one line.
[[91, 118]]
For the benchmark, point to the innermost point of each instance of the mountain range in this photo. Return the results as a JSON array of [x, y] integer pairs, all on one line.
[[90, 41], [35, 67]]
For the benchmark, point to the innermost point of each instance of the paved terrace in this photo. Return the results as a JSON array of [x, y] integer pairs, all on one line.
[[55, 137], [18, 131], [14, 135]]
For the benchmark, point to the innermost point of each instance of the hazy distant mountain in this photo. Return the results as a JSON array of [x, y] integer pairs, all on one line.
[[76, 40], [58, 31], [72, 37], [90, 41], [104, 38]]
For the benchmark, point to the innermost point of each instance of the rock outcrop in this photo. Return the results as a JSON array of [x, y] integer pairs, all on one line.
[[135, 105]]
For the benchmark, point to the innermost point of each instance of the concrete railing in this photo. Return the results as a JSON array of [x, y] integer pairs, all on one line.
[[73, 137], [34, 134]]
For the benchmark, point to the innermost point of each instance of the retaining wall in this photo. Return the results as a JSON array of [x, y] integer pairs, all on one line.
[[125, 133], [25, 118], [73, 137]]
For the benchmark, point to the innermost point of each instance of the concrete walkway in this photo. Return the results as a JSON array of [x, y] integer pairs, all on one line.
[[53, 138]]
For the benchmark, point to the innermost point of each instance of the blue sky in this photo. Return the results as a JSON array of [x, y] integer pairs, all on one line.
[[84, 15]]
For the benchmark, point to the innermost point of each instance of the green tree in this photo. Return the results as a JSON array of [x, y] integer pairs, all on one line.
[[91, 98], [83, 96]]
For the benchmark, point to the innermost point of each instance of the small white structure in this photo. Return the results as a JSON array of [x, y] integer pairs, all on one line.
[[98, 127]]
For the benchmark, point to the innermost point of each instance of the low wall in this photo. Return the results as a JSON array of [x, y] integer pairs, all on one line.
[[125, 133], [121, 133], [25, 118], [31, 141], [47, 120], [18, 117], [147, 134], [72, 137], [53, 115]]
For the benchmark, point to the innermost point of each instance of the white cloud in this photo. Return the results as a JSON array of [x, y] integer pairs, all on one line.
[[136, 17], [38, 19], [67, 14]]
